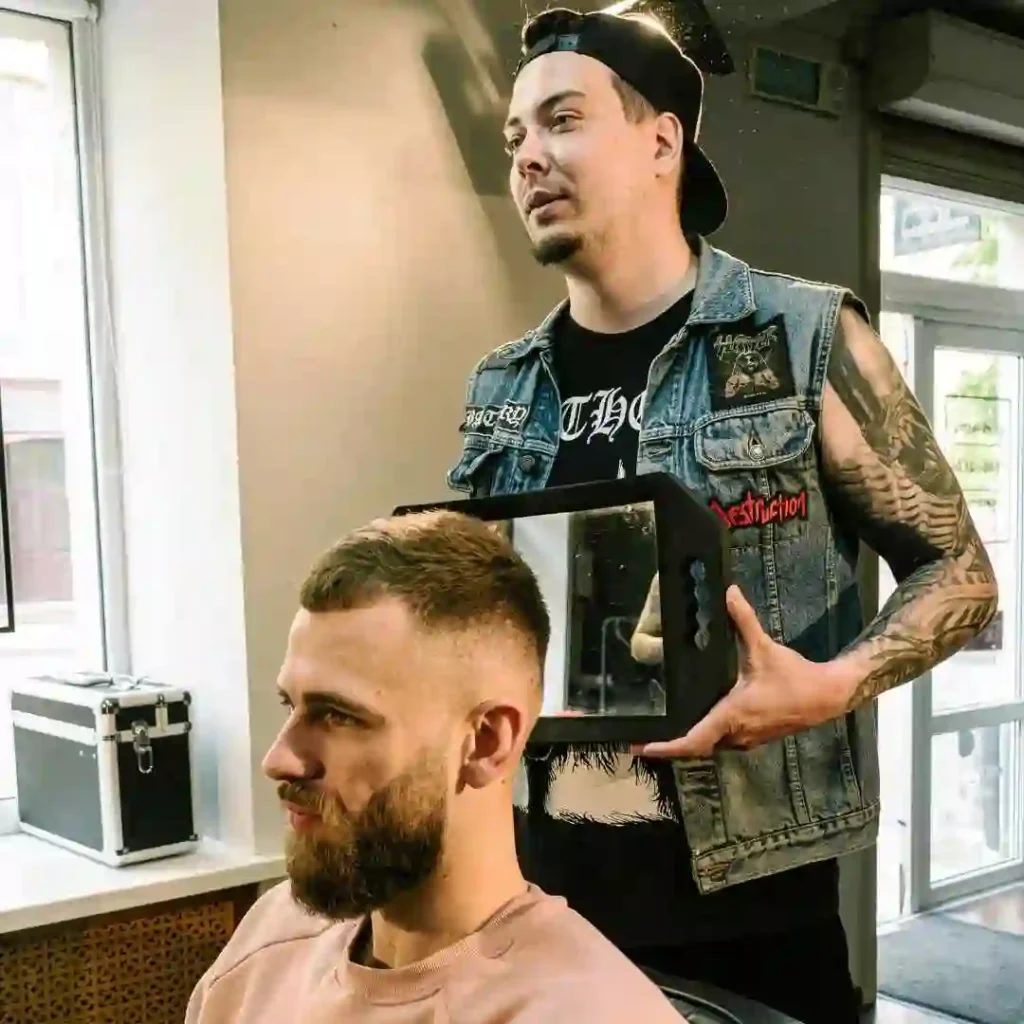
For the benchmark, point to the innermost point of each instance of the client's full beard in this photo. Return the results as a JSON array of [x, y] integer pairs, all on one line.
[[356, 863]]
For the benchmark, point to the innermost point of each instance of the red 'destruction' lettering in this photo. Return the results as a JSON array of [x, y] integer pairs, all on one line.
[[757, 510]]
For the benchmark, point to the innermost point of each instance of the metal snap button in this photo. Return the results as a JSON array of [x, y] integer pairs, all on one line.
[[755, 449], [527, 462]]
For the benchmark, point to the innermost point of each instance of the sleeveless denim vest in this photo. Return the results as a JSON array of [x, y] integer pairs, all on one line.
[[731, 408]]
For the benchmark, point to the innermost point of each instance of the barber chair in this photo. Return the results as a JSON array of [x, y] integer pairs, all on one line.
[[700, 1003]]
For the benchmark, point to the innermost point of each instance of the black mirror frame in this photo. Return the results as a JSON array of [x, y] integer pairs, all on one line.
[[697, 671]]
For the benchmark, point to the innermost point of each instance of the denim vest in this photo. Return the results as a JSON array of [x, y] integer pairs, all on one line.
[[731, 408]]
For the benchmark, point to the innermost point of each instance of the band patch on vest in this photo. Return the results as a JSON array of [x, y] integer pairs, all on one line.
[[482, 419], [749, 363], [757, 510]]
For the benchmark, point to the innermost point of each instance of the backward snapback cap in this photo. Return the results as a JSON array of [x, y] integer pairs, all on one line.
[[642, 54]]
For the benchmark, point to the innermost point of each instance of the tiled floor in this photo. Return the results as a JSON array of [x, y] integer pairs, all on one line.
[[1001, 911]]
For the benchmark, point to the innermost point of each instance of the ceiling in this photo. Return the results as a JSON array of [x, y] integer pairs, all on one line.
[[843, 16], [1000, 15], [750, 14], [836, 17], [728, 13]]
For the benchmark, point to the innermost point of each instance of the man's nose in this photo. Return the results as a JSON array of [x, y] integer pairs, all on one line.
[[287, 760], [531, 156]]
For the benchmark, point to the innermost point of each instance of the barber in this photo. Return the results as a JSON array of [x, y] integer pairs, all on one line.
[[714, 856]]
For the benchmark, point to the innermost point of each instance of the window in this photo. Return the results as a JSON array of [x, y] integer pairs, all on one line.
[[51, 412], [951, 746], [934, 235]]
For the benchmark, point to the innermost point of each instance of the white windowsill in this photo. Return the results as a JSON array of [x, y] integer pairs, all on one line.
[[41, 884]]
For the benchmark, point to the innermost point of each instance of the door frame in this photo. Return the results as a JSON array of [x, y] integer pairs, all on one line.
[[931, 302]]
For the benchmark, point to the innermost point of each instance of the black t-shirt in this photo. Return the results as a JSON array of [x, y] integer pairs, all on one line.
[[601, 380], [608, 836]]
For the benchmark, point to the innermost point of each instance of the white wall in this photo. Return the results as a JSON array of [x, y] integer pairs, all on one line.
[[164, 153]]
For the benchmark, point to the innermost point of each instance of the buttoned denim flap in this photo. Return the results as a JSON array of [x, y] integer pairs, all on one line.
[[463, 475], [753, 440]]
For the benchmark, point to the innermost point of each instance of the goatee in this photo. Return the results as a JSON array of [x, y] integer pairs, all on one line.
[[557, 249]]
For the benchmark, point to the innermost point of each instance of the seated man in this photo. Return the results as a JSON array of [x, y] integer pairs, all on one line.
[[411, 681]]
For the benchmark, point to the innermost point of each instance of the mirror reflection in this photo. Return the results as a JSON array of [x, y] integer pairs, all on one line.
[[598, 573]]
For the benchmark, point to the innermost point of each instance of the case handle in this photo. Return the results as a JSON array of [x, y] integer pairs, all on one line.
[[143, 747]]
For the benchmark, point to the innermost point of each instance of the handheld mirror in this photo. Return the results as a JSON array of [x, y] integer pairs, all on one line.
[[634, 574]]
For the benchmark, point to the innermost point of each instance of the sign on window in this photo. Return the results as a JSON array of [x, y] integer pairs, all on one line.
[[923, 224]]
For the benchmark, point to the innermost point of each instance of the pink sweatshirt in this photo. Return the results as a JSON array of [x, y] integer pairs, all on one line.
[[535, 962]]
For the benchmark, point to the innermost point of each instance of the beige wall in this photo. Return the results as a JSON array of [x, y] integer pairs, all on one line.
[[366, 278]]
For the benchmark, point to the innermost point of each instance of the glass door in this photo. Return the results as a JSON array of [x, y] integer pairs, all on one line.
[[967, 804], [950, 744]]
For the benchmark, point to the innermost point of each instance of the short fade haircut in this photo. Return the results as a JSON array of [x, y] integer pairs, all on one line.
[[450, 570]]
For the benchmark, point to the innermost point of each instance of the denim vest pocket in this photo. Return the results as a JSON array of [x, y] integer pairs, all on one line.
[[761, 472], [752, 441]]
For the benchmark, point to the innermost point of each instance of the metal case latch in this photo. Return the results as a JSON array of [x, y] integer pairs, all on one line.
[[143, 747]]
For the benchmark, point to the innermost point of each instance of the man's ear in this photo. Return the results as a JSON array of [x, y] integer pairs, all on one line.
[[495, 743], [668, 135]]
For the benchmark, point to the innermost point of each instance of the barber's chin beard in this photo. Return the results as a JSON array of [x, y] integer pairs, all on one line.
[[357, 863], [557, 249]]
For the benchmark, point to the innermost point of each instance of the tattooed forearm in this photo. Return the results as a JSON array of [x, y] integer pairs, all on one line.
[[898, 648], [889, 479], [933, 612]]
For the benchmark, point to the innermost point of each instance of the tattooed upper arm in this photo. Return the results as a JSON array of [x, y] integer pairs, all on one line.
[[886, 475], [881, 459]]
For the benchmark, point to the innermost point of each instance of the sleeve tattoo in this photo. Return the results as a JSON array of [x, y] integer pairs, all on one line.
[[887, 477]]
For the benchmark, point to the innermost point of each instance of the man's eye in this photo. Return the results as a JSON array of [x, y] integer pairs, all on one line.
[[563, 120], [512, 144], [333, 716], [319, 715]]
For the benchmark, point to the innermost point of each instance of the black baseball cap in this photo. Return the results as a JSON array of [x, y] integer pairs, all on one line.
[[647, 58]]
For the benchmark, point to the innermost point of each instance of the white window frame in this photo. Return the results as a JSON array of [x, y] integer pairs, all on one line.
[[57, 10], [102, 358], [932, 303]]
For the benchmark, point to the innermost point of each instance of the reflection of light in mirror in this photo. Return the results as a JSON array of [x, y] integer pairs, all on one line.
[[597, 570]]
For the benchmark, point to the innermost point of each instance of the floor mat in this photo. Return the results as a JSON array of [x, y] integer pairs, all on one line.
[[960, 969]]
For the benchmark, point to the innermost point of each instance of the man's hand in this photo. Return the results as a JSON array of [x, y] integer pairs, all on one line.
[[777, 692]]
